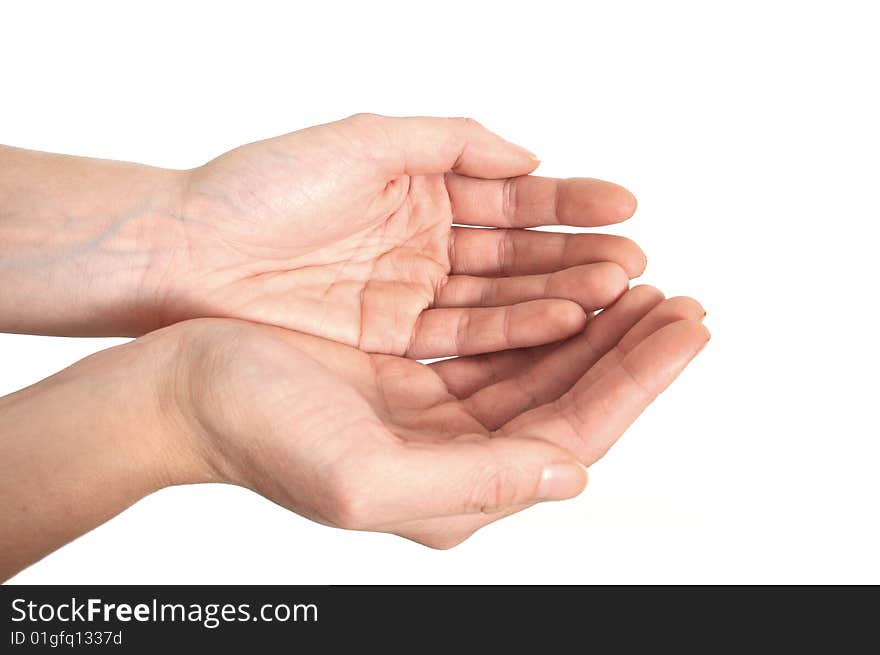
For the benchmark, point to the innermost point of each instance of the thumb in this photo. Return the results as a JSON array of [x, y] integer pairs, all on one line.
[[478, 476], [425, 145]]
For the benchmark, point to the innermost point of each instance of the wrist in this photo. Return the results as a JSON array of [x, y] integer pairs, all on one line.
[[170, 442], [85, 243], [184, 389], [154, 238], [129, 392], [204, 406]]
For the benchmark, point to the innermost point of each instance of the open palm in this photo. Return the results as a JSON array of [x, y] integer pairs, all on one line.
[[345, 231], [431, 452]]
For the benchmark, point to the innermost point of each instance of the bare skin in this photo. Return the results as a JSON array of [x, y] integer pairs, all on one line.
[[344, 231], [317, 267], [346, 438]]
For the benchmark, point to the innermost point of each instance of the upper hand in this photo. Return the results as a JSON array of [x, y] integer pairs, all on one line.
[[345, 231]]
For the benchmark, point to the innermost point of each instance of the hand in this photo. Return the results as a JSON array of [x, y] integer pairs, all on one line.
[[429, 452], [345, 231], [373, 442]]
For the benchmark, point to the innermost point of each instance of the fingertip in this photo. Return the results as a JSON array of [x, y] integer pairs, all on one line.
[[635, 261], [488, 155], [566, 316], [534, 160], [693, 330], [522, 162], [561, 481], [697, 327], [617, 202], [608, 282], [627, 204], [685, 307], [705, 334], [639, 267], [647, 291], [702, 336], [618, 275]]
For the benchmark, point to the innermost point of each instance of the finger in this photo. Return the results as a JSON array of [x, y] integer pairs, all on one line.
[[528, 252], [554, 375], [529, 201], [464, 477], [594, 414], [592, 286], [464, 376], [669, 311], [424, 145], [469, 331]]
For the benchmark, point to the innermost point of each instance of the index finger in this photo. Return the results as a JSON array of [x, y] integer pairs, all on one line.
[[530, 201], [590, 418]]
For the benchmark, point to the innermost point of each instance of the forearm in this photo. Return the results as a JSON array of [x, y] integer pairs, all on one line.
[[84, 243], [79, 447]]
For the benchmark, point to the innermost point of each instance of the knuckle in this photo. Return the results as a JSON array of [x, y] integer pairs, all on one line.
[[641, 388], [467, 122], [494, 489], [506, 253], [463, 331], [508, 200], [365, 117]]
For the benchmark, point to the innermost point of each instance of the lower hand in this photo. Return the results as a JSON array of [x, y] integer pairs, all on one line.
[[371, 442], [428, 452]]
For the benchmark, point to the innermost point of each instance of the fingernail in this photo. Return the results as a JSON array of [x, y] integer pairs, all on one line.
[[561, 481]]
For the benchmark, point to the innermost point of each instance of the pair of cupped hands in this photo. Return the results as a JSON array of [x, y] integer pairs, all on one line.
[[301, 278]]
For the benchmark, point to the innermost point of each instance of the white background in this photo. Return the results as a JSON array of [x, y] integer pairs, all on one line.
[[749, 132]]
